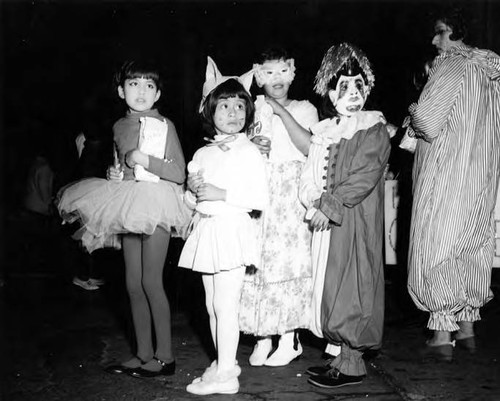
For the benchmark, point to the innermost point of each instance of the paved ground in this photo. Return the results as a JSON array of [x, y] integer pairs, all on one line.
[[58, 338]]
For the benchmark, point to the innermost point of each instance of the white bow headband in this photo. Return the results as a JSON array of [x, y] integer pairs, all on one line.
[[213, 78]]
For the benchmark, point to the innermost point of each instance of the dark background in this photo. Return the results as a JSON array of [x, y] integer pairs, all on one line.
[[59, 57]]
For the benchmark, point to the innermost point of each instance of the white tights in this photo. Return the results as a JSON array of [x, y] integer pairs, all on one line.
[[222, 294]]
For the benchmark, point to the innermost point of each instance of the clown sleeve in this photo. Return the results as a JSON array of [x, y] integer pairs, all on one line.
[[365, 171], [309, 189]]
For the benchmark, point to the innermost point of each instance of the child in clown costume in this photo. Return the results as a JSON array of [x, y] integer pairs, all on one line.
[[342, 186]]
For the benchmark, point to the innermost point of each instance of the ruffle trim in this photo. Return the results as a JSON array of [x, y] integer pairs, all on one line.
[[443, 321], [468, 314], [349, 362]]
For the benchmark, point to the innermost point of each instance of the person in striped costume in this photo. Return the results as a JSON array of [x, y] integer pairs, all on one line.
[[455, 177]]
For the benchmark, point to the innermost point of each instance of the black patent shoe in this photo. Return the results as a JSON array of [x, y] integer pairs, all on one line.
[[120, 369], [116, 369], [167, 369]]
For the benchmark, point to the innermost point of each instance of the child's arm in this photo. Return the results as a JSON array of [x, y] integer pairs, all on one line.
[[115, 172], [300, 136], [367, 168], [173, 167]]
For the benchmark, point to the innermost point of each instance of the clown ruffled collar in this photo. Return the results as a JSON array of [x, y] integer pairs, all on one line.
[[334, 129]]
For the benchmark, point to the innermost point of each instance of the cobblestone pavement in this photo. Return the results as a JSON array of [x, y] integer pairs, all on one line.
[[58, 337]]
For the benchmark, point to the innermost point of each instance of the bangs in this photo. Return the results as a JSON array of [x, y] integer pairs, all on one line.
[[228, 89], [142, 74], [139, 69], [231, 89]]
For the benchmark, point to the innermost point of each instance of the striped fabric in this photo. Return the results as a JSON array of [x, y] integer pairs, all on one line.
[[456, 173]]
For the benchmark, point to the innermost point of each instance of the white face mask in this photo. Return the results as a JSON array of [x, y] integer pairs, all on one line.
[[271, 72], [349, 96]]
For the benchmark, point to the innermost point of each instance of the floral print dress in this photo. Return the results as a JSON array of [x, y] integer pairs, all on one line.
[[276, 296]]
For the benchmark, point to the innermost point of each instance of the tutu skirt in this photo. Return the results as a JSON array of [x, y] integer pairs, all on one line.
[[106, 209], [220, 242]]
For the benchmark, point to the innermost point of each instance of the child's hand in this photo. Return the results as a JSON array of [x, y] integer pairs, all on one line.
[[194, 180], [209, 192], [278, 109], [134, 157], [263, 143], [114, 173], [319, 221]]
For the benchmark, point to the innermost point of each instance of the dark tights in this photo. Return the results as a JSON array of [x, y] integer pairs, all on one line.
[[144, 260]]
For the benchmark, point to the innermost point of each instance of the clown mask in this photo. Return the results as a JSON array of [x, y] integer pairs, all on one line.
[[275, 72], [349, 96]]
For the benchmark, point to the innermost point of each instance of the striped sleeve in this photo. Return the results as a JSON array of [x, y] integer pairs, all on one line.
[[438, 97]]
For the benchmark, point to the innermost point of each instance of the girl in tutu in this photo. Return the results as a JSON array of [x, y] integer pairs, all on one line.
[[142, 202], [226, 181]]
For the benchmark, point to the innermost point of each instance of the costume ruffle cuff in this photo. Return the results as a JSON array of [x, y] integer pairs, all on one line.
[[349, 362], [468, 314], [332, 207], [443, 321]]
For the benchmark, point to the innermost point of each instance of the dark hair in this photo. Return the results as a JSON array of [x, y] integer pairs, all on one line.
[[273, 53], [139, 69], [226, 90], [453, 17], [327, 110]]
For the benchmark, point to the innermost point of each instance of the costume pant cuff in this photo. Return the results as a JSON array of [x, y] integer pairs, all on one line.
[[442, 321], [468, 314], [349, 362]]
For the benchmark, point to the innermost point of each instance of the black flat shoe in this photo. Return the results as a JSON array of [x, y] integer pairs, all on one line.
[[167, 369], [317, 370], [334, 379], [120, 369], [116, 369]]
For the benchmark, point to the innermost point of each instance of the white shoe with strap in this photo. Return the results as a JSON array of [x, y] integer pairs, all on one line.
[[289, 349]]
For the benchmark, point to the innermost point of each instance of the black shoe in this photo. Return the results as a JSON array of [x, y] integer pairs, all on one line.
[[318, 370], [334, 379], [167, 369], [120, 369], [116, 369]]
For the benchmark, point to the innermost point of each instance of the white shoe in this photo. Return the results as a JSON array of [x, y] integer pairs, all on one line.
[[214, 383], [284, 354], [201, 387], [261, 352]]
